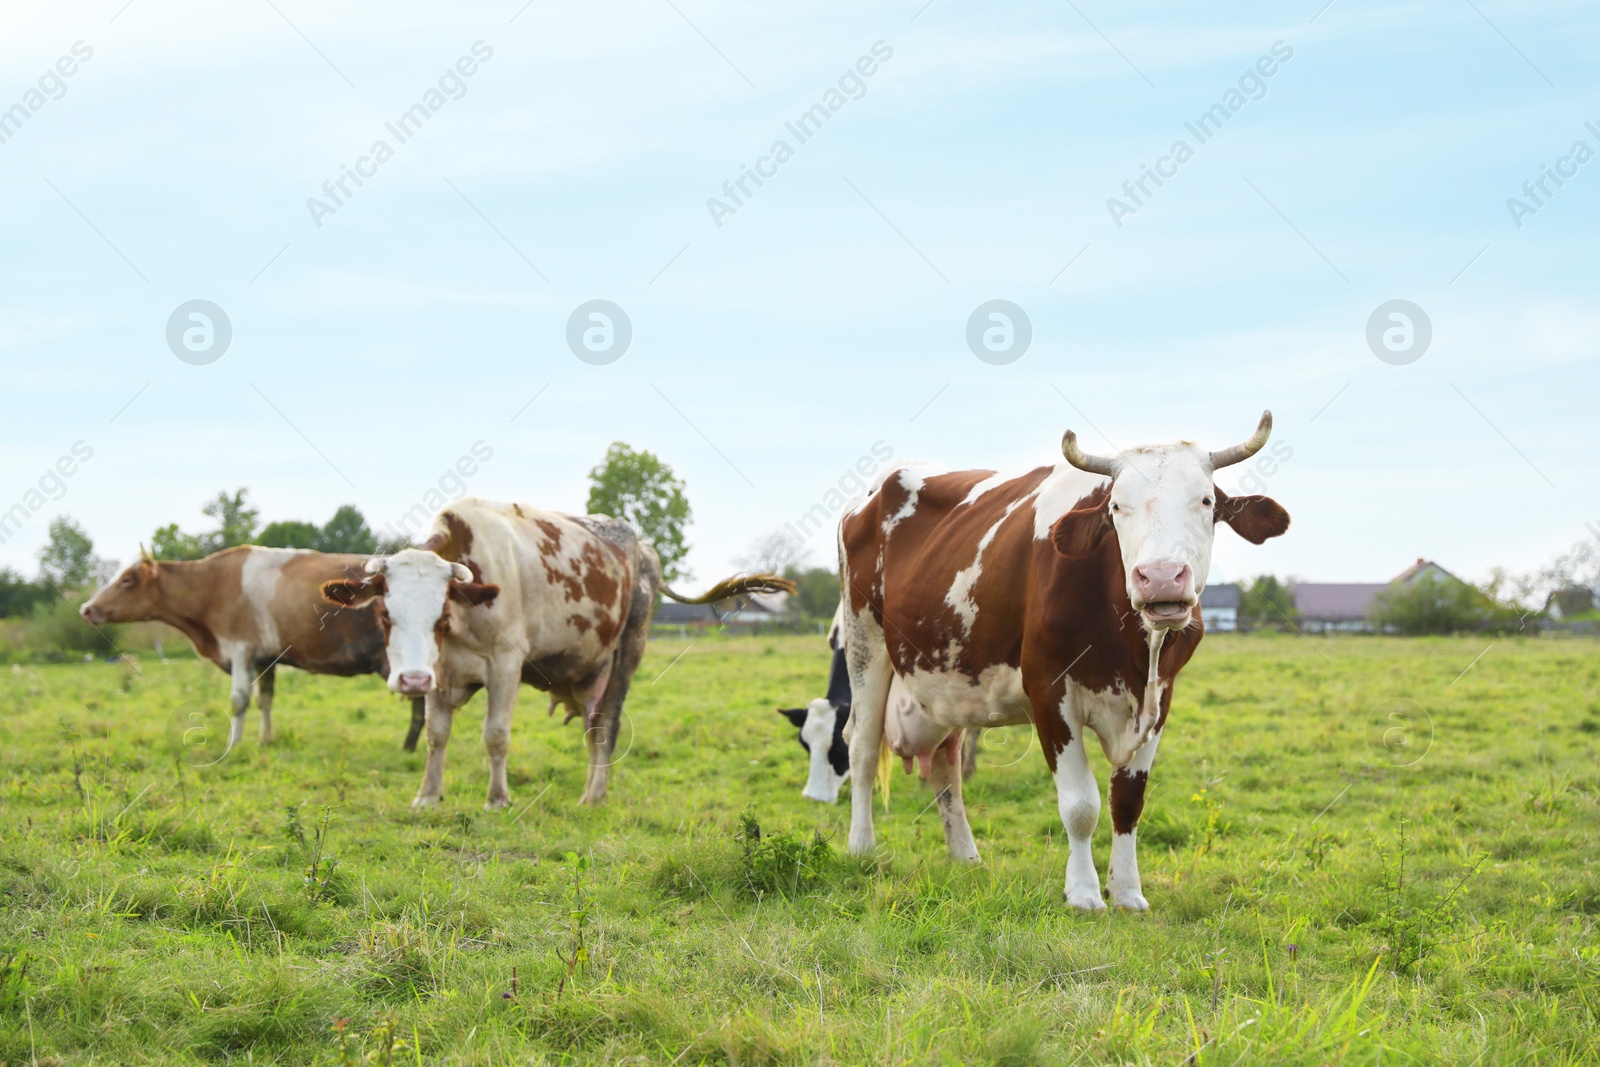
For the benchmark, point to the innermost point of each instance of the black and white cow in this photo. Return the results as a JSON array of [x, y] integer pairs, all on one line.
[[822, 728], [821, 725]]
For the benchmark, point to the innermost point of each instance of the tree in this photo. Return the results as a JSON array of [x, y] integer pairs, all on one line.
[[637, 487], [236, 520], [347, 531], [18, 595], [289, 534], [816, 591], [236, 525], [1430, 606], [68, 560], [1265, 601]]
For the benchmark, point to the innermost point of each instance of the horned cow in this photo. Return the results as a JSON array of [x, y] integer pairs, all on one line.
[[1066, 597]]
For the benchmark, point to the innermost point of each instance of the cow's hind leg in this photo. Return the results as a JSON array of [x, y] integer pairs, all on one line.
[[241, 665], [601, 732], [1078, 797], [419, 719], [867, 657], [944, 775], [1127, 804], [266, 686], [440, 718]]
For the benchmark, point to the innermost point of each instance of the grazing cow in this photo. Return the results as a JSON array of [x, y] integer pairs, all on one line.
[[822, 728], [502, 594], [1066, 596], [248, 609], [821, 725]]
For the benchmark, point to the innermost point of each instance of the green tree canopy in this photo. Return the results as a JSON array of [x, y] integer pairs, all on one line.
[[18, 595], [347, 531], [236, 525], [236, 519], [637, 487], [68, 561], [817, 591], [1431, 606], [289, 534], [1266, 601]]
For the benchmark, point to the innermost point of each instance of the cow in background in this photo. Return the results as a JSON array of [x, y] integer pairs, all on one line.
[[249, 609], [502, 595], [825, 737], [1066, 597]]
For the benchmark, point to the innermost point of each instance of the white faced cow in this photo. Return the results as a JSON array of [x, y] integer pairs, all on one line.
[[1066, 597], [505, 594], [249, 609]]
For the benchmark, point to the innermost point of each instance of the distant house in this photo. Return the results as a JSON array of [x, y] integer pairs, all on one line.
[[1346, 607], [734, 613], [1219, 607], [1568, 601]]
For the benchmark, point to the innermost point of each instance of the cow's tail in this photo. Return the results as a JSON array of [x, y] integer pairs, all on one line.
[[750, 583]]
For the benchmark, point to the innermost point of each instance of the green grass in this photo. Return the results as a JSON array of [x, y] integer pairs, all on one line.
[[1314, 901]]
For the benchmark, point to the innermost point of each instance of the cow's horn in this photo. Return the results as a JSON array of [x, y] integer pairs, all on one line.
[[376, 564], [144, 554], [1081, 459], [1226, 457]]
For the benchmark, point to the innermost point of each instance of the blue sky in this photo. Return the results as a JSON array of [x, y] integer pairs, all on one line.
[[829, 312]]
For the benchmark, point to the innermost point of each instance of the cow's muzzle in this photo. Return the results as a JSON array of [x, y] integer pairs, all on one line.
[[1164, 593], [413, 683], [91, 615]]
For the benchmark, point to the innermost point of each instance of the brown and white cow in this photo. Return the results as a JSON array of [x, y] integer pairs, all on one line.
[[505, 594], [1066, 597], [249, 609]]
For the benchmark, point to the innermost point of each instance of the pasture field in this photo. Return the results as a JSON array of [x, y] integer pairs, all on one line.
[[1358, 850]]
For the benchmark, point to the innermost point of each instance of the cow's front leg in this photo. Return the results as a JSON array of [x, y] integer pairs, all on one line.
[[440, 717], [266, 687], [502, 701], [1078, 797], [1127, 804]]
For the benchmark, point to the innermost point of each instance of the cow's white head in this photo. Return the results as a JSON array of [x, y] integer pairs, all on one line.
[[821, 727], [1163, 505], [417, 588]]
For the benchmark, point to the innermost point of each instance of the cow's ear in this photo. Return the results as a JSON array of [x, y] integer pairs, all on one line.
[[794, 715], [1254, 518], [474, 593], [354, 592], [147, 570], [1079, 531]]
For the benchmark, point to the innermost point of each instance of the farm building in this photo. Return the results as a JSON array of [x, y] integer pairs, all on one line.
[[738, 613], [1219, 607], [1346, 607]]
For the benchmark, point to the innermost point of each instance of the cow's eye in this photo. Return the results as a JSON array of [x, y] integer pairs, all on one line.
[[1116, 509], [1206, 502]]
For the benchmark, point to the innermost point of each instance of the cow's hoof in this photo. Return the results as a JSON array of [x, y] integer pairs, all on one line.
[[1085, 899], [425, 803], [1129, 901], [863, 846], [497, 804]]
